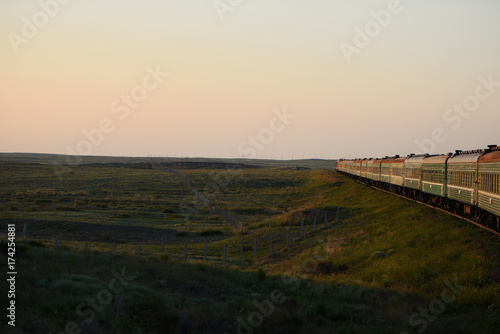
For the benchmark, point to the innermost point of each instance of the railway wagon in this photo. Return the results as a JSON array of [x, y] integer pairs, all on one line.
[[434, 176], [356, 166], [397, 171], [413, 172], [349, 167], [369, 169], [462, 180], [340, 166], [385, 169], [363, 168], [489, 185], [377, 167]]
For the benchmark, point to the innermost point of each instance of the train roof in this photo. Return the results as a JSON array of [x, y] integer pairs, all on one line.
[[465, 158], [416, 158], [395, 159], [436, 159], [493, 155], [489, 155]]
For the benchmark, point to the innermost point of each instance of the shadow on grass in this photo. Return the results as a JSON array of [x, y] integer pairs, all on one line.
[[57, 291]]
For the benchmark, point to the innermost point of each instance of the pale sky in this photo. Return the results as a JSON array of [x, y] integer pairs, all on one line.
[[67, 67]]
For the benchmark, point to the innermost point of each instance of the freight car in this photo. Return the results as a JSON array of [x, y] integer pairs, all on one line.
[[466, 183]]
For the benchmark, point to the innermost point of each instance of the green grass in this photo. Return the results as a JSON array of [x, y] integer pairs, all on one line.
[[333, 279]]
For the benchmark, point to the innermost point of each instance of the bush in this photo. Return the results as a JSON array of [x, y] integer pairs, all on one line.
[[377, 255], [261, 275], [328, 267], [35, 243], [163, 257], [209, 233]]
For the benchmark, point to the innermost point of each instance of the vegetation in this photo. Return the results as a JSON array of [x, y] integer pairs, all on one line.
[[393, 266]]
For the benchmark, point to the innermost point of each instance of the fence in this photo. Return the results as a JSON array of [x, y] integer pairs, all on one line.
[[274, 239]]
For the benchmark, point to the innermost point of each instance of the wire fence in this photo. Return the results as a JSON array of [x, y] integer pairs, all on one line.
[[246, 246]]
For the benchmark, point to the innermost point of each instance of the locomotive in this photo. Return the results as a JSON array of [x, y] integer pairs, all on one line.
[[466, 183]]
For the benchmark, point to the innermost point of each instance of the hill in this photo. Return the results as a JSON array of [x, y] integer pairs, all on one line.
[[62, 159]]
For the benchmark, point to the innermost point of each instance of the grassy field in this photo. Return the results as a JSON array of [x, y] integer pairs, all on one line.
[[394, 266]]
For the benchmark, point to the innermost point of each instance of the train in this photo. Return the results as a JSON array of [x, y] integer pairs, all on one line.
[[465, 183]]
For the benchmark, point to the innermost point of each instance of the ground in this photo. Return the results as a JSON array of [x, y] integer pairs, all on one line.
[[387, 264]]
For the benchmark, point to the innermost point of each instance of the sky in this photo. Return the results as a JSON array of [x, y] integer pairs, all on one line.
[[267, 79]]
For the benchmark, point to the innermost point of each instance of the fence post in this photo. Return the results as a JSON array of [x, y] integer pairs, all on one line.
[[25, 229], [242, 251], [302, 228], [56, 244], [205, 250], [186, 250], [139, 249], [288, 237], [163, 245], [225, 250], [338, 213], [114, 247], [326, 220]]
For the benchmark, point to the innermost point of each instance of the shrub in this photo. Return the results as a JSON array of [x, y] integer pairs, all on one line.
[[261, 275], [377, 255], [35, 243], [209, 233], [163, 257]]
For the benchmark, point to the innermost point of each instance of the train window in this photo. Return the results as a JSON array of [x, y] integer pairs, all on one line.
[[490, 183], [413, 173], [433, 176], [397, 171], [462, 179]]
